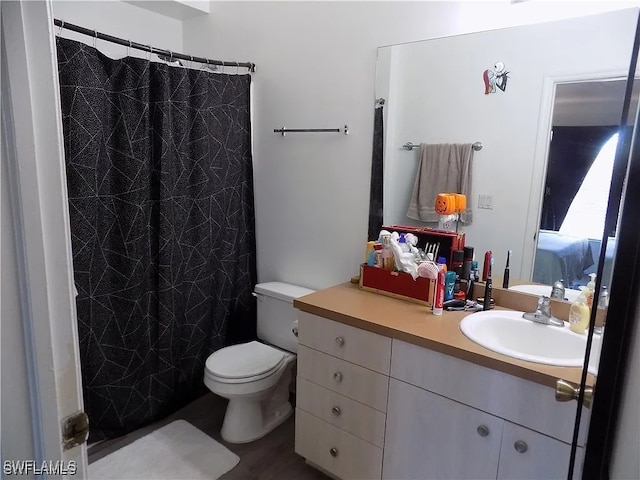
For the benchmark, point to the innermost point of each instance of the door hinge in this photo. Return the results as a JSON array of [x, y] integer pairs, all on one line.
[[75, 430]]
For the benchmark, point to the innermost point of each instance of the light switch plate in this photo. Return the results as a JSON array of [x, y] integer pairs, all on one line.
[[485, 201]]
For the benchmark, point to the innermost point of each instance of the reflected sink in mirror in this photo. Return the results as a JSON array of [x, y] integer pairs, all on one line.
[[570, 294], [506, 332]]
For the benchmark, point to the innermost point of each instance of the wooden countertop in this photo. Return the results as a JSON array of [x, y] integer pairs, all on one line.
[[413, 323]]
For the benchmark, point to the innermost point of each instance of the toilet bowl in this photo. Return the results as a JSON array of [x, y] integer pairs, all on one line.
[[255, 376]]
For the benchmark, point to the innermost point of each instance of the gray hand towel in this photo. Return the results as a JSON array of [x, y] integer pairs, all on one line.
[[444, 168]]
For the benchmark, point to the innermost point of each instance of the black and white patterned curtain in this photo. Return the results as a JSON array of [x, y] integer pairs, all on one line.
[[160, 183]]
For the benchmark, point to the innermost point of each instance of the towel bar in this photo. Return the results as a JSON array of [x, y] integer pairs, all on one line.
[[285, 130], [410, 146]]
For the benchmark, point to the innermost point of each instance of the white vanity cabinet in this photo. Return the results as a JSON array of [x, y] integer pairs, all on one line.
[[437, 402], [371, 407], [445, 439], [342, 389]]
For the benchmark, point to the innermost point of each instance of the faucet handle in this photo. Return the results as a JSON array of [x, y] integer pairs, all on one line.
[[543, 300], [544, 305]]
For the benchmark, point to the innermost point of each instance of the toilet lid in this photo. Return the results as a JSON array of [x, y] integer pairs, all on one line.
[[244, 360]]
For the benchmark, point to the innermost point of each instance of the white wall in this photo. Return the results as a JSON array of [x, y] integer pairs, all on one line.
[[121, 20], [440, 99], [316, 69]]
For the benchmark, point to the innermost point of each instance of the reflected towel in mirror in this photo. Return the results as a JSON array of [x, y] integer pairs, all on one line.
[[443, 168]]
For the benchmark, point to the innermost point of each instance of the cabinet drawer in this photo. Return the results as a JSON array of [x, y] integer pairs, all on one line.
[[521, 401], [526, 454], [335, 450], [354, 417], [352, 381], [358, 346]]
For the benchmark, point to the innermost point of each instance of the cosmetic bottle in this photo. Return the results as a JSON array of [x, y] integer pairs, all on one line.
[[591, 288], [487, 294], [603, 301], [438, 300], [579, 313], [470, 285], [467, 262], [368, 251], [457, 260], [456, 266], [404, 246], [443, 262], [486, 272], [475, 270], [449, 285], [377, 249], [387, 254]]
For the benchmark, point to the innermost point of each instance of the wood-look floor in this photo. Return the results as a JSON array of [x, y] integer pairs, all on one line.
[[271, 457]]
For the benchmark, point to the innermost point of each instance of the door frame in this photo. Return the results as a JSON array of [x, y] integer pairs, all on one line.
[[39, 209], [541, 154]]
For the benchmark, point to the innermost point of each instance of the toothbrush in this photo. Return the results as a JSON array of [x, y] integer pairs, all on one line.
[[505, 278]]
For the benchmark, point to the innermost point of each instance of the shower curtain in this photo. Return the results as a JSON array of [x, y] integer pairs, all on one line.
[[160, 185]]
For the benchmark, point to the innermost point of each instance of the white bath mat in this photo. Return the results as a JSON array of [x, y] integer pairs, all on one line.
[[176, 451]]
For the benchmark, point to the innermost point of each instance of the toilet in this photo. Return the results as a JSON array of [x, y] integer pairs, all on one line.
[[255, 376]]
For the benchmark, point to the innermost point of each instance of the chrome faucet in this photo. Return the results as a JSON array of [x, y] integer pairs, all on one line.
[[543, 313]]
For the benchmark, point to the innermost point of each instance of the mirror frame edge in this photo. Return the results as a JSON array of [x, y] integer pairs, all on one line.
[[625, 290]]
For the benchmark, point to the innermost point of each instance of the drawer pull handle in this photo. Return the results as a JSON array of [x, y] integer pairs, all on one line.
[[339, 341], [483, 430], [337, 377], [334, 452], [520, 446], [336, 411]]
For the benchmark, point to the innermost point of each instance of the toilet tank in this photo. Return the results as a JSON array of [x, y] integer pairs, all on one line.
[[276, 313]]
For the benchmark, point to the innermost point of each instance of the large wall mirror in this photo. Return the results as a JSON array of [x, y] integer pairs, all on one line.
[[553, 109], [548, 133]]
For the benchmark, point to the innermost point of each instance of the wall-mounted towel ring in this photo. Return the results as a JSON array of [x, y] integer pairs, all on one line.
[[477, 146]]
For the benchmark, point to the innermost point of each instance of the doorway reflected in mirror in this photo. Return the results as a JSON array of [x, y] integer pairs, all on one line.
[[581, 155]]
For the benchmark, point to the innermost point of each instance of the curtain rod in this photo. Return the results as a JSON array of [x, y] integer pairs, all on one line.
[[147, 48]]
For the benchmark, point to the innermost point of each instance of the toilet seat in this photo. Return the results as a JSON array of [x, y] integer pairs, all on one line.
[[246, 362]]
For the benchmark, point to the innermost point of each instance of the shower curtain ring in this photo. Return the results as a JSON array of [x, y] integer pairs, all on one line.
[[95, 39], [129, 49], [150, 52], [61, 27]]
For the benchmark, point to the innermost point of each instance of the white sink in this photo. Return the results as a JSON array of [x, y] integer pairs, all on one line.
[[506, 332], [569, 293]]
